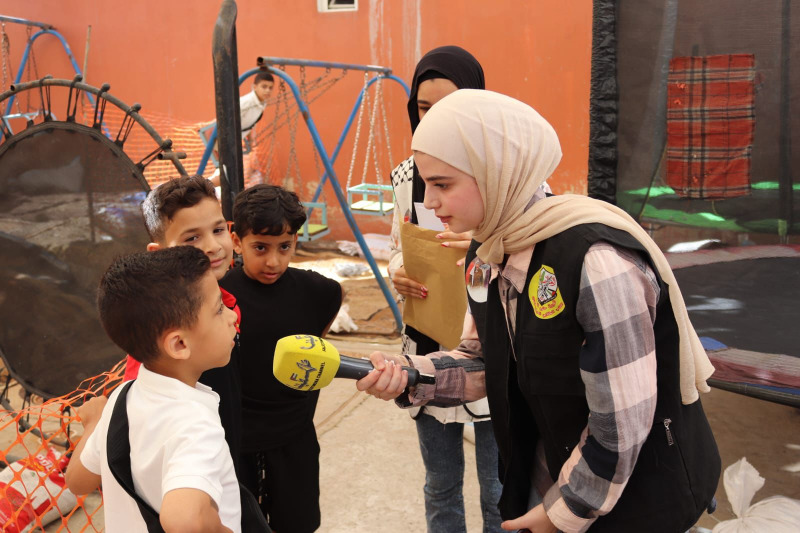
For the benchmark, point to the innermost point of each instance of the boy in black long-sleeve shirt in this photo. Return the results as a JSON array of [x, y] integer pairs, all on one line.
[[280, 459]]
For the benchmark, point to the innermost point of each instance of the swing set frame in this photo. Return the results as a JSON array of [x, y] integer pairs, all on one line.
[[225, 65], [46, 29]]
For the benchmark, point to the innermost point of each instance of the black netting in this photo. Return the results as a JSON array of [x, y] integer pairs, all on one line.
[[754, 180], [69, 203]]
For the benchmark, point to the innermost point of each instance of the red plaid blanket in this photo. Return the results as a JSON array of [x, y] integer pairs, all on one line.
[[710, 122]]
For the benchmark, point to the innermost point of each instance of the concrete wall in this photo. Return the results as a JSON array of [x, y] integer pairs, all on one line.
[[159, 54]]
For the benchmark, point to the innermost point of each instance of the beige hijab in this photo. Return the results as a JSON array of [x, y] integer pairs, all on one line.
[[511, 150]]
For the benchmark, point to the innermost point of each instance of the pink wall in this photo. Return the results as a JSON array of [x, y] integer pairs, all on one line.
[[159, 54]]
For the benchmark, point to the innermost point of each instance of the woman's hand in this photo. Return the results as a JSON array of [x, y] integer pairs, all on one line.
[[407, 286], [535, 521], [388, 380], [457, 240]]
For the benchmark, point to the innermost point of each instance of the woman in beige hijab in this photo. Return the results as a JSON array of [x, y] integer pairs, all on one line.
[[576, 332]]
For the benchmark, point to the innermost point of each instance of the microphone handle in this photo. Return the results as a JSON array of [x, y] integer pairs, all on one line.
[[354, 368]]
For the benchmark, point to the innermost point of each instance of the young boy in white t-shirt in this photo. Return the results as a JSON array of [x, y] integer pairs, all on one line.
[[165, 309]]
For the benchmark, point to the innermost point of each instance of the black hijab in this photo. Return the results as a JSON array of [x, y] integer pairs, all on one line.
[[449, 62]]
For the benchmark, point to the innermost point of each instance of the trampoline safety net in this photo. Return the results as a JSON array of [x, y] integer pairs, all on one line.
[[694, 109], [707, 104]]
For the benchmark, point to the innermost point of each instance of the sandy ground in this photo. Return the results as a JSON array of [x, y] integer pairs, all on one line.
[[370, 453], [372, 474]]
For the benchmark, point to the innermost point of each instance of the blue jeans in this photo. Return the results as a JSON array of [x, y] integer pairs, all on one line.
[[442, 447]]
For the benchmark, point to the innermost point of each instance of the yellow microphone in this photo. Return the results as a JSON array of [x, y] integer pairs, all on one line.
[[307, 363]]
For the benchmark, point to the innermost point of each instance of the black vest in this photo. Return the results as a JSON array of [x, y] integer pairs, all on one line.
[[535, 392]]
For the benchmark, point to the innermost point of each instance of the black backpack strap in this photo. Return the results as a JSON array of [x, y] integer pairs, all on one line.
[[118, 448]]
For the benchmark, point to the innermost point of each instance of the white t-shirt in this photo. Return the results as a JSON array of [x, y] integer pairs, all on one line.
[[177, 442], [250, 109]]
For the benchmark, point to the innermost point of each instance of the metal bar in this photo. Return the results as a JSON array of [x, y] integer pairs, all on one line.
[[754, 391], [18, 88], [312, 129], [86, 50], [27, 22], [347, 126], [785, 194], [226, 97], [266, 61]]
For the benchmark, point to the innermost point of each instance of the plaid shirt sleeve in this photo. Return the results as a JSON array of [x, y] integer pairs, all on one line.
[[616, 308], [460, 373]]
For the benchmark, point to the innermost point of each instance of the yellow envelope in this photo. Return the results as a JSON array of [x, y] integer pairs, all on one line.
[[440, 316]]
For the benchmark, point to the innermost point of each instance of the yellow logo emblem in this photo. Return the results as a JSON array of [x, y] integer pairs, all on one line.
[[544, 294]]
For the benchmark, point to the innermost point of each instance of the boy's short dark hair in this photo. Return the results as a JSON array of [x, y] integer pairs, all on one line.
[[267, 210], [170, 197], [263, 75], [144, 294]]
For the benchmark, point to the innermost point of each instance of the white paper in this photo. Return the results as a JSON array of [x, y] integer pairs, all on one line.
[[426, 218]]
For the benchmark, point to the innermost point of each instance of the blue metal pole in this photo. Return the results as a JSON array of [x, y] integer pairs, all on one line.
[[24, 61], [328, 164], [201, 167], [312, 129]]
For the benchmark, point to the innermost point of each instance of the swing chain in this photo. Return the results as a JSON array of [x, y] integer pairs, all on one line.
[[372, 148], [8, 73], [282, 110], [28, 96], [324, 87], [385, 127], [292, 161], [271, 146], [304, 90], [33, 55], [364, 98], [5, 52]]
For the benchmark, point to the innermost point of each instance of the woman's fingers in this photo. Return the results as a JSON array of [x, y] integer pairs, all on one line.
[[461, 245], [397, 384], [388, 380], [455, 240], [407, 286]]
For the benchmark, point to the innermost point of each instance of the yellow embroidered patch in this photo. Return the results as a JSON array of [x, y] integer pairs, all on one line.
[[544, 294]]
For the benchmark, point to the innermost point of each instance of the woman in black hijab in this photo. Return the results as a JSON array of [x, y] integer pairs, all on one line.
[[447, 64], [440, 72]]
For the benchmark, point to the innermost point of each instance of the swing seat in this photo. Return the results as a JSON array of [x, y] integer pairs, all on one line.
[[27, 116], [372, 199], [311, 231]]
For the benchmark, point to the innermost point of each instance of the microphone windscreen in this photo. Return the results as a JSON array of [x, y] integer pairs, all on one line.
[[305, 362]]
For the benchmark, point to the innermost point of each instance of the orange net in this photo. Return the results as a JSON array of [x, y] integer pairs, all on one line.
[[187, 138], [37, 442]]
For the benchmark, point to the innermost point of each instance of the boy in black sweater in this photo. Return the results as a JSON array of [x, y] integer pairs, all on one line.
[[280, 459]]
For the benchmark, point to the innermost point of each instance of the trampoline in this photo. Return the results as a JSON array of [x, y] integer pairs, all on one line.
[[693, 109], [743, 304], [69, 203]]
